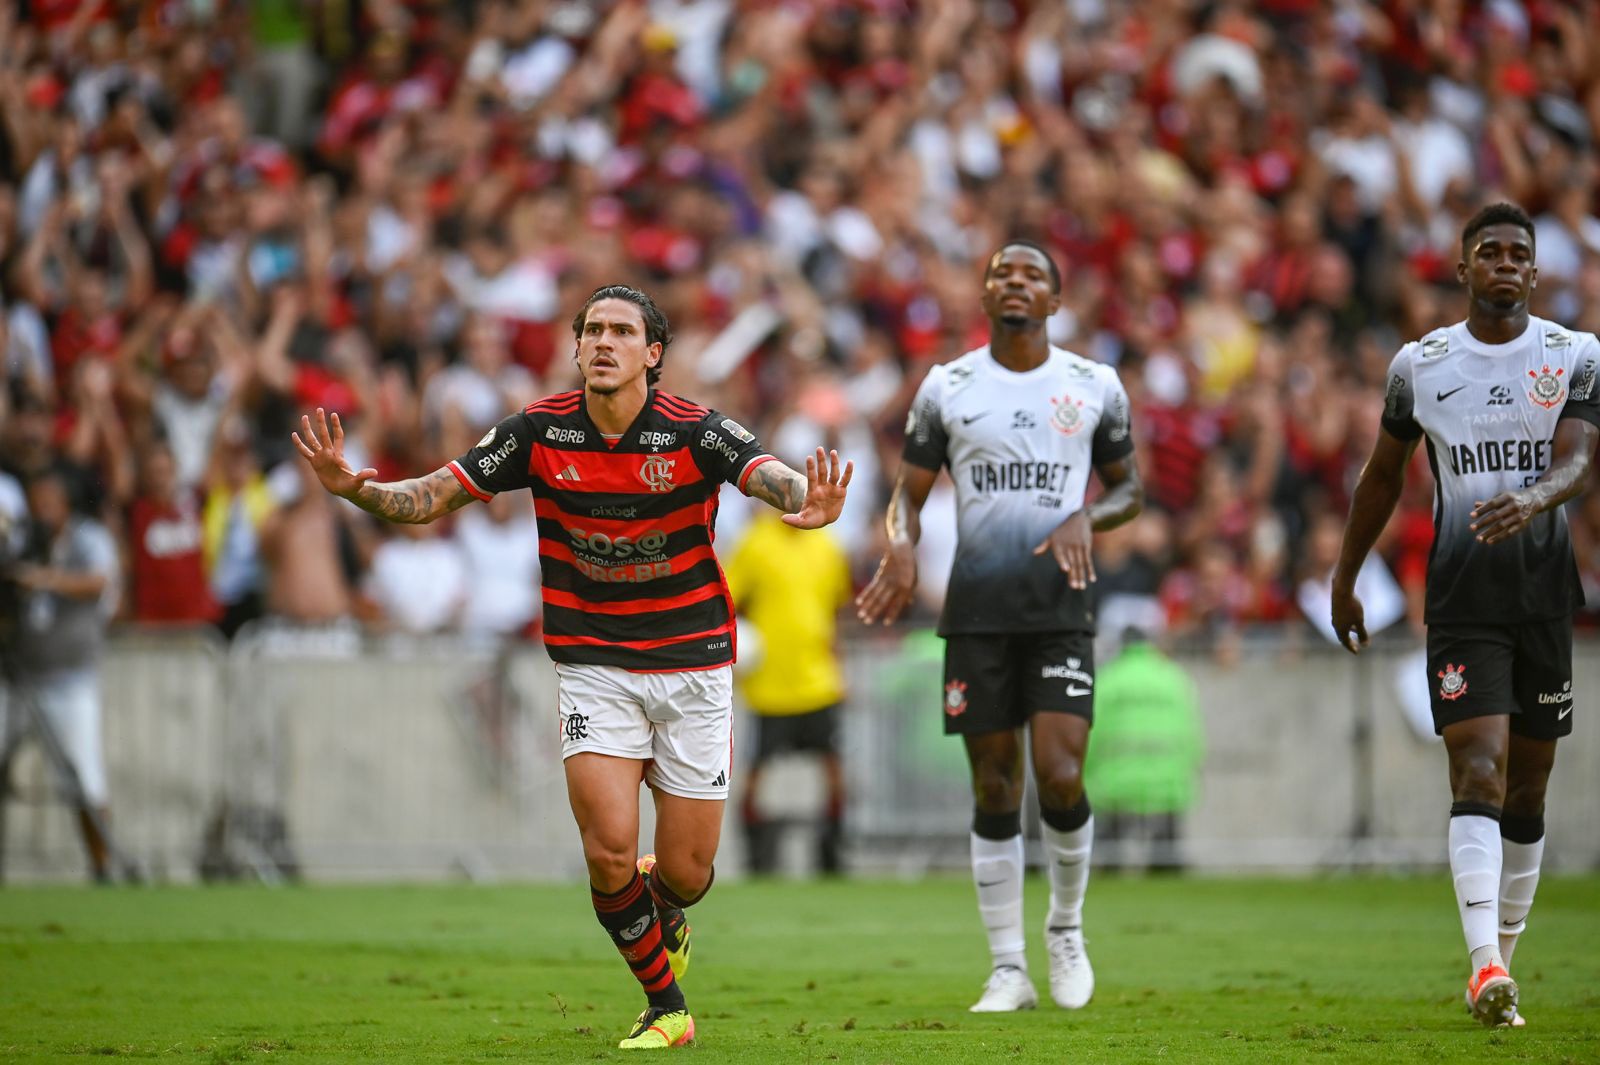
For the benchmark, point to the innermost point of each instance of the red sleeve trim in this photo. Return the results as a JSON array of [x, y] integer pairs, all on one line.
[[466, 482], [750, 468]]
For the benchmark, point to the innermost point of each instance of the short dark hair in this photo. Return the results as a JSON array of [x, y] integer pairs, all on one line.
[[657, 330], [1496, 214], [1022, 242], [63, 477], [50, 472]]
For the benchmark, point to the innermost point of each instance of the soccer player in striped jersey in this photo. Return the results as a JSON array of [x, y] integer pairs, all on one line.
[[1508, 408], [637, 616], [1020, 425]]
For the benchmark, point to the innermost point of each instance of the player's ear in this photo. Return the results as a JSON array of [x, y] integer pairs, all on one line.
[[1461, 271], [652, 355], [1533, 278]]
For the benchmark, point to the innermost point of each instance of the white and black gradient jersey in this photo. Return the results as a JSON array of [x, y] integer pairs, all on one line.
[[1489, 412], [1019, 447]]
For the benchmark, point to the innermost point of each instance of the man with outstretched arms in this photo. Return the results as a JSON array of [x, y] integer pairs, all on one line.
[[637, 616], [1507, 406], [1020, 424]]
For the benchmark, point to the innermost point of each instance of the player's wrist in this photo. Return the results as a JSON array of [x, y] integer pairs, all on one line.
[[902, 548]]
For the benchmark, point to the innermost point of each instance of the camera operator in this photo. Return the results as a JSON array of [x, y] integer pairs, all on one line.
[[63, 592]]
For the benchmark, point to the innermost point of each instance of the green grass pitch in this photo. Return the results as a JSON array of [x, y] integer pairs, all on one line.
[[1192, 970]]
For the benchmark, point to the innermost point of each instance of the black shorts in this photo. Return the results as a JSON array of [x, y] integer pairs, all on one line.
[[995, 683], [1522, 670], [814, 731]]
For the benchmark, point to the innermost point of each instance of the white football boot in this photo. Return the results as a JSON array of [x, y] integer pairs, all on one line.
[[1007, 990], [1071, 978]]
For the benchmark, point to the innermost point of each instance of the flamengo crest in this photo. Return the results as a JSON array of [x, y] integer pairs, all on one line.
[[656, 473], [1547, 387], [1452, 682]]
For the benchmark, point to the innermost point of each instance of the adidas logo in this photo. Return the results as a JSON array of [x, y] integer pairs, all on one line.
[[569, 474], [721, 781]]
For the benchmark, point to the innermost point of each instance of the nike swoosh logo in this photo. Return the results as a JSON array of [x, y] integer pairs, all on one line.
[[1480, 902], [973, 418], [989, 883], [1440, 397], [1508, 924], [1561, 714], [1074, 690]]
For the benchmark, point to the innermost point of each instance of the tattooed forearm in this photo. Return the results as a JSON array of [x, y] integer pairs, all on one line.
[[416, 501], [778, 485]]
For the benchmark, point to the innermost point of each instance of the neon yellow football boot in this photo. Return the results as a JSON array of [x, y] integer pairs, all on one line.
[[656, 1029]]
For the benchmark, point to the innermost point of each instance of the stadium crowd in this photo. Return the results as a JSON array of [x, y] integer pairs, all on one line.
[[216, 215]]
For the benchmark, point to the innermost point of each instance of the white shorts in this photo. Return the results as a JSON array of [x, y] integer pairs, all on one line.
[[70, 701], [681, 723]]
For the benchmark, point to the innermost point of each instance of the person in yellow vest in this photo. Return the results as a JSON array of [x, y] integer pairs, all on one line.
[[238, 501], [790, 586]]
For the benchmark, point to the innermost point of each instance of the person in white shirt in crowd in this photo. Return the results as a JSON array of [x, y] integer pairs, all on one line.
[[500, 547], [419, 579]]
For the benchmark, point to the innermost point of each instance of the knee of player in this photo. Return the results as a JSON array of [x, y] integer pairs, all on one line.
[[611, 863], [1476, 776], [996, 791], [1061, 785], [686, 875], [1525, 797]]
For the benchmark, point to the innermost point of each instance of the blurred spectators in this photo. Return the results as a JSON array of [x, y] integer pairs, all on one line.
[[500, 548], [418, 580], [307, 551], [166, 567], [215, 216]]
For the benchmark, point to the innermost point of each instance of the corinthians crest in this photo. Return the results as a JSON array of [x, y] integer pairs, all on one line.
[[1547, 387], [1452, 682], [1068, 416]]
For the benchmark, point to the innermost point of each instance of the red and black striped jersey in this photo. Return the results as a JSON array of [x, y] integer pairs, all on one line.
[[625, 526]]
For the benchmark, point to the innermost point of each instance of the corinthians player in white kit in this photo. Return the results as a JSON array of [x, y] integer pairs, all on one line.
[[1020, 424], [1507, 405]]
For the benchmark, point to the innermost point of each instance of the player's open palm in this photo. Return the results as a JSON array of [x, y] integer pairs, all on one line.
[[324, 449], [825, 489]]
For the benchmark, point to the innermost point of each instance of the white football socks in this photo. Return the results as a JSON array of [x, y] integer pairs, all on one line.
[[1475, 867], [1067, 854], [997, 872], [1519, 877]]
